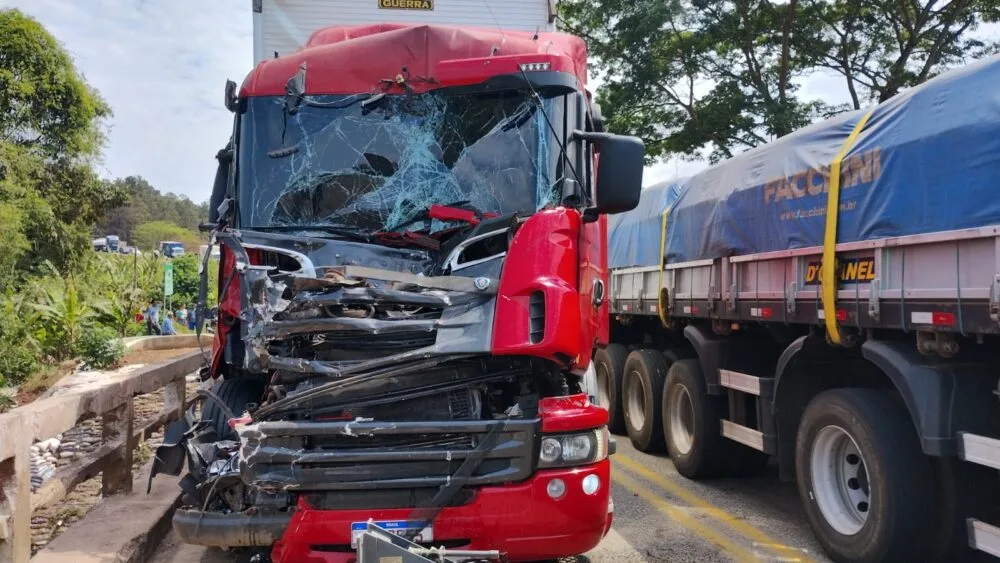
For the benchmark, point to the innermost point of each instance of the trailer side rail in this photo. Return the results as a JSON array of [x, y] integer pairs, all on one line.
[[945, 281]]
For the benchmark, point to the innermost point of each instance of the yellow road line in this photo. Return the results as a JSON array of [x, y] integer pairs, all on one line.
[[731, 548], [758, 537]]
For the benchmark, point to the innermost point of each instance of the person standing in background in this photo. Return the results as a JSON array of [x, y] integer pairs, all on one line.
[[152, 318]]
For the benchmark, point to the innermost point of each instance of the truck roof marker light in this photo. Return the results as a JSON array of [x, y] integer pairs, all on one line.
[[535, 67], [458, 72]]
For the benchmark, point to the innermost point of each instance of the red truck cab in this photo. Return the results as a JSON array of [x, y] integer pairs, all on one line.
[[411, 222]]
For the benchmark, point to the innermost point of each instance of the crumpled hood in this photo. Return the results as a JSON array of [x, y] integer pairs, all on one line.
[[331, 307]]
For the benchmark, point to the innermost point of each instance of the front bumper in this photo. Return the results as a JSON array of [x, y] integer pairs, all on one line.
[[519, 520]]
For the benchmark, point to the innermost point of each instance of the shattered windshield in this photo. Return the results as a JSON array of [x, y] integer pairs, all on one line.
[[377, 164]]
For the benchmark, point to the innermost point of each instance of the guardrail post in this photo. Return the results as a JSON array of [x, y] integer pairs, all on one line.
[[15, 502], [174, 397], [116, 426]]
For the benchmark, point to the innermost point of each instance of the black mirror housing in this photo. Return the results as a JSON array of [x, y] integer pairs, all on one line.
[[596, 118], [295, 90], [619, 172], [232, 104]]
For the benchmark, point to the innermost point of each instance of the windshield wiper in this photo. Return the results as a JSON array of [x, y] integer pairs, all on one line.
[[343, 232], [523, 114]]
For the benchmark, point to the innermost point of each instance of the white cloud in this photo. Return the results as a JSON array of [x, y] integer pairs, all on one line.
[[162, 65]]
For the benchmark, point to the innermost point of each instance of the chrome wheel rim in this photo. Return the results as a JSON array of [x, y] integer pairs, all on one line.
[[681, 418], [636, 401], [840, 480]]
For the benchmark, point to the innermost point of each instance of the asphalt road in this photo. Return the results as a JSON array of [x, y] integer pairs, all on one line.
[[661, 516]]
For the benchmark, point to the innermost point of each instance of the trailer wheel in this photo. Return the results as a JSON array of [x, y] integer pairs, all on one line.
[[235, 393], [866, 486], [610, 364], [691, 423], [642, 384]]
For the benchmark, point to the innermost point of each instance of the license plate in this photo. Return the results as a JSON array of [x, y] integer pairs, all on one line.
[[424, 533]]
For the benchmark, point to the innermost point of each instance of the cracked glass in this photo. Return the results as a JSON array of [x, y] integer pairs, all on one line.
[[377, 163]]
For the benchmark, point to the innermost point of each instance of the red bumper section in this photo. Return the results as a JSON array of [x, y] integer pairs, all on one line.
[[520, 520]]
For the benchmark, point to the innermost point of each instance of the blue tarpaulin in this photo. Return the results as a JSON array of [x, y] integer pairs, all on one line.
[[927, 161], [634, 237]]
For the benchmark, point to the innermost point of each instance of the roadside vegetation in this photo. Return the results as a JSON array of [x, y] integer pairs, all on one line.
[[708, 80], [61, 303]]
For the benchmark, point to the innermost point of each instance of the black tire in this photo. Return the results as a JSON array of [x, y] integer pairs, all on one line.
[[235, 393], [965, 490], [902, 502], [706, 456], [609, 364], [645, 372]]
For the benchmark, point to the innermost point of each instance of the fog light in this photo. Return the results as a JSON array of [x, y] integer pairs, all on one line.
[[556, 488], [591, 483]]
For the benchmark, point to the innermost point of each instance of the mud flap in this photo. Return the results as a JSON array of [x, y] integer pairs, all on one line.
[[170, 455]]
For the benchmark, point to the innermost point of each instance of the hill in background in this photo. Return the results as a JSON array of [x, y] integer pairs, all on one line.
[[149, 216]]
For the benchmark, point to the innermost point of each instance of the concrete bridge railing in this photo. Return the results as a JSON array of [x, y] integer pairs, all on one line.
[[110, 400]]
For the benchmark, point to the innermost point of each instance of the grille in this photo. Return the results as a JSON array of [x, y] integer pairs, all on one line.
[[536, 317], [355, 456]]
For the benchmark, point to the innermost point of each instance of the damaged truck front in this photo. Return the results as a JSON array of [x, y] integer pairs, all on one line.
[[411, 223]]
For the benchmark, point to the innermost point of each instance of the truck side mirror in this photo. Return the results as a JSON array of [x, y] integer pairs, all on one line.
[[232, 104], [619, 172], [596, 118], [221, 183]]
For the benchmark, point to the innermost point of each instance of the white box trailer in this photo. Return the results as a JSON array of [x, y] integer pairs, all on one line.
[[283, 26]]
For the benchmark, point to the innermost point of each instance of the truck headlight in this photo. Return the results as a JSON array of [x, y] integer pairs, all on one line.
[[568, 450]]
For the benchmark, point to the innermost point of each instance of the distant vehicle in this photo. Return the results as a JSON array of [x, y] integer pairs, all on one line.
[[108, 243], [171, 249]]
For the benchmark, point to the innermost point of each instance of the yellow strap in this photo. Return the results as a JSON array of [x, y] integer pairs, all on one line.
[[828, 273], [661, 306]]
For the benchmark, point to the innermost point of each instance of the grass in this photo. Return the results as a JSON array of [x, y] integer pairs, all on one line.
[[143, 453], [44, 379]]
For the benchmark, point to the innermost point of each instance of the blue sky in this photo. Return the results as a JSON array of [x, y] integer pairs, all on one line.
[[163, 64]]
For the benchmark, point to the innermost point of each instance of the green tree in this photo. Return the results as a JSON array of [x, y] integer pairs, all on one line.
[[44, 102], [146, 204], [881, 47], [705, 76], [691, 76], [121, 287], [186, 278], [50, 131], [65, 316]]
